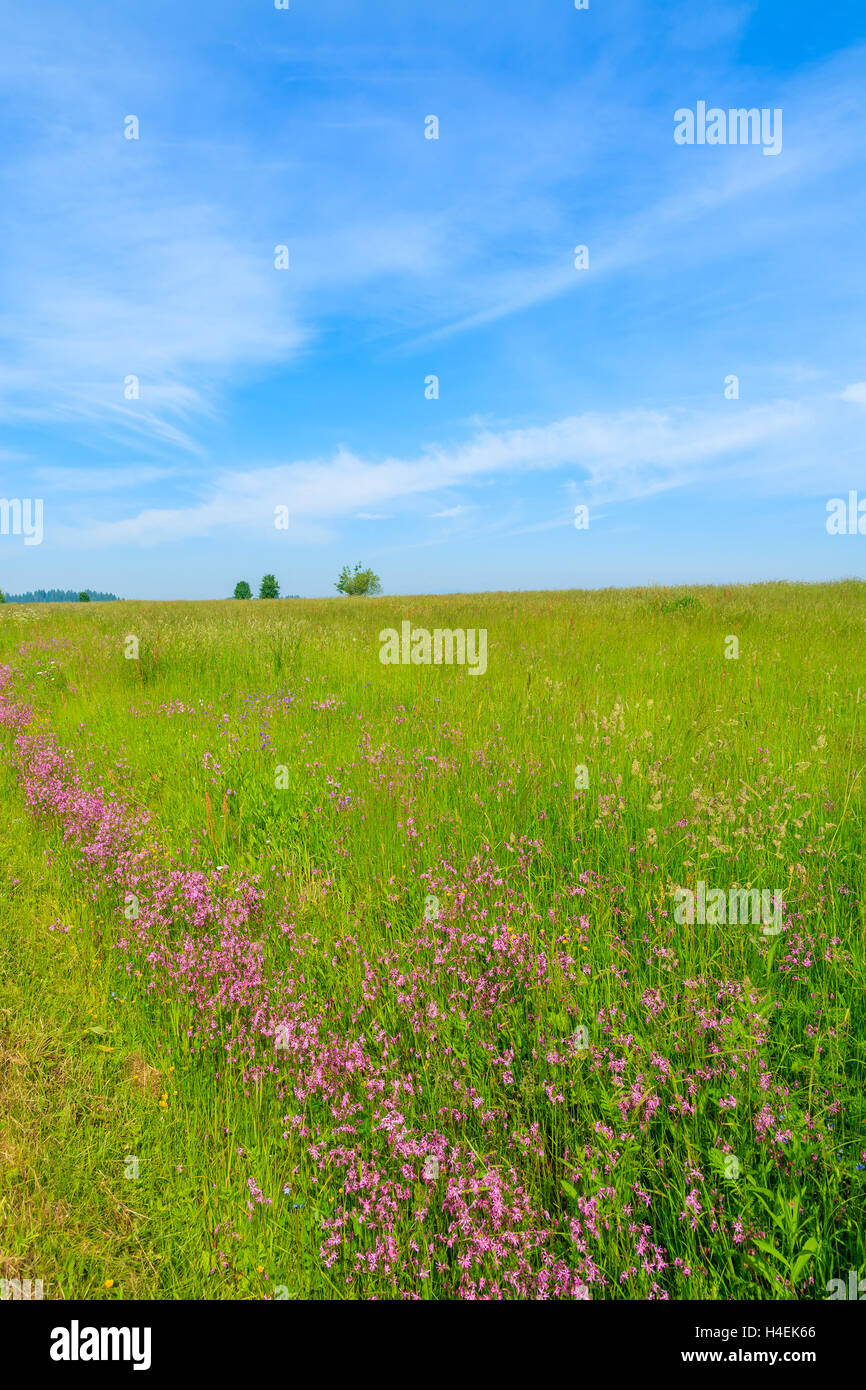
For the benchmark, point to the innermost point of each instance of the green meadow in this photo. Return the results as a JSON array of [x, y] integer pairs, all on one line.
[[324, 978]]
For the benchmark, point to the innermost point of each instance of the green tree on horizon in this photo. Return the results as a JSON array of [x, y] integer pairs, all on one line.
[[269, 588], [358, 582], [242, 589]]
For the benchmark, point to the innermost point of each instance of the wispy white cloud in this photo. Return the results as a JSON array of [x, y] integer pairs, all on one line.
[[693, 195], [619, 457], [451, 511]]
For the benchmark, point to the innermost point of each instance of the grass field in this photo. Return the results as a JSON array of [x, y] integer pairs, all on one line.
[[323, 978]]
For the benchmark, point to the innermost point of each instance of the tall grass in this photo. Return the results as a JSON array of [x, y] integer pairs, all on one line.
[[545, 1086]]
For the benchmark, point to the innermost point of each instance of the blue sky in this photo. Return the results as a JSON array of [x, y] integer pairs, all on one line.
[[412, 257]]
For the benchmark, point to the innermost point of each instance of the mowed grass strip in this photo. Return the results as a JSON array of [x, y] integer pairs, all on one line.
[[114, 1167]]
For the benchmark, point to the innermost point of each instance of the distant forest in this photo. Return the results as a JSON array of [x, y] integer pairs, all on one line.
[[60, 596]]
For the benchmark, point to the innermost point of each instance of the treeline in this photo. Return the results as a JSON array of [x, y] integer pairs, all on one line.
[[60, 596]]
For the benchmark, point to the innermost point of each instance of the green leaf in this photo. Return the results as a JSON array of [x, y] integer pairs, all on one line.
[[806, 1254], [769, 1249]]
